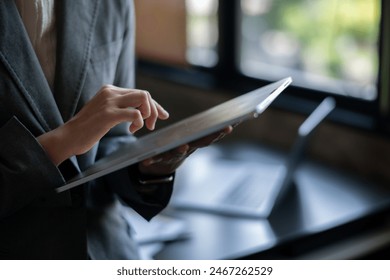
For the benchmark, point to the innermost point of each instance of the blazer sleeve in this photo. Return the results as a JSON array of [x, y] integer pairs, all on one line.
[[149, 200], [26, 172]]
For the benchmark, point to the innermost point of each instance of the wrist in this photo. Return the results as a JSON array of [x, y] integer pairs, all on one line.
[[56, 145], [144, 179], [148, 179]]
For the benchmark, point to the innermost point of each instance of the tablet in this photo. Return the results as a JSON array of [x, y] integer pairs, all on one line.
[[247, 106]]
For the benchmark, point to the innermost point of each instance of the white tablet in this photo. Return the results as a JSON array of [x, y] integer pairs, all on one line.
[[236, 110]]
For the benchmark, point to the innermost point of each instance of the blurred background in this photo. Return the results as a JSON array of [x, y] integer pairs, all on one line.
[[194, 54]]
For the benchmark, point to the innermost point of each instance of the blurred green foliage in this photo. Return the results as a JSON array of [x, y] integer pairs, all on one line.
[[333, 35]]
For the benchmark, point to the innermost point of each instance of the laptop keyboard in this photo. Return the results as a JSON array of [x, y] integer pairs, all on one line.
[[246, 195], [252, 191]]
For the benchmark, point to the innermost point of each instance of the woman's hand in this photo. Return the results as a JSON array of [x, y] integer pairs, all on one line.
[[109, 107], [167, 163]]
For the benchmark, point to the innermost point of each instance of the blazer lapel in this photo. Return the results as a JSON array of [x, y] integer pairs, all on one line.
[[19, 58], [75, 24]]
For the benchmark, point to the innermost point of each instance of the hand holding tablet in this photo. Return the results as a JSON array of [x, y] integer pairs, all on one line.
[[193, 131]]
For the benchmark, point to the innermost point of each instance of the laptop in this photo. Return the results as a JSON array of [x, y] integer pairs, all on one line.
[[247, 106], [210, 182]]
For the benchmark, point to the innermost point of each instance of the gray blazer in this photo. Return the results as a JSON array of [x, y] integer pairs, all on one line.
[[95, 47]]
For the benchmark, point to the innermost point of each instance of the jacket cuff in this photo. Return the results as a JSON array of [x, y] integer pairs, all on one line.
[[24, 155]]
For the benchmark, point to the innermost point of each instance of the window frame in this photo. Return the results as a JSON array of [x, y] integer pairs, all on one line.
[[368, 115]]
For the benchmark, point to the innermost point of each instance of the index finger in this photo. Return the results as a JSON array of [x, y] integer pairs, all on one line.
[[162, 113]]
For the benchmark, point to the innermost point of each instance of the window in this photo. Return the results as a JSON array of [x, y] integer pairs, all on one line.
[[202, 32], [329, 47], [327, 44]]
